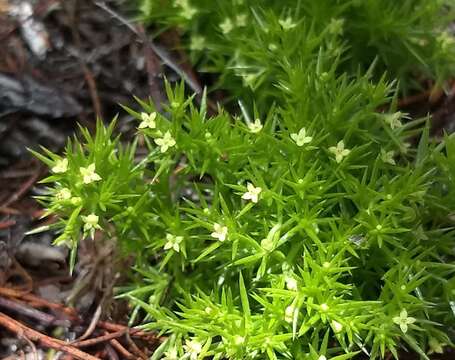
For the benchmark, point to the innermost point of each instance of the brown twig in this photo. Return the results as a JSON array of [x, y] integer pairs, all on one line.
[[110, 352], [23, 189], [119, 347], [37, 301], [99, 339], [7, 224], [134, 347], [27, 311], [9, 211], [44, 340], [92, 325], [34, 300]]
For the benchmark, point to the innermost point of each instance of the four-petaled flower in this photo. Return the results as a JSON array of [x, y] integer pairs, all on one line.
[[148, 120], [192, 348], [197, 43], [241, 19], [255, 127], [60, 166], [301, 138], [287, 24], [252, 193], [394, 120], [220, 232], [91, 224], [387, 157], [165, 142], [339, 151], [88, 174], [173, 242], [403, 320], [226, 26], [187, 10], [63, 194]]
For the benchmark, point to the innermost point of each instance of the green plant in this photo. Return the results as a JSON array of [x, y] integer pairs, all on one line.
[[266, 240], [247, 41], [310, 227]]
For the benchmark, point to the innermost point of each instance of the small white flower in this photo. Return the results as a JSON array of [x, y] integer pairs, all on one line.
[[322, 357], [192, 348], [165, 142], [291, 284], [336, 26], [289, 313], [339, 151], [394, 120], [255, 127], [301, 138], [387, 157], [60, 166], [88, 174], [148, 120], [337, 327], [287, 24], [226, 26], [171, 355], [187, 11], [241, 19], [91, 224], [220, 232], [173, 242], [404, 320], [252, 193], [63, 194], [197, 43]]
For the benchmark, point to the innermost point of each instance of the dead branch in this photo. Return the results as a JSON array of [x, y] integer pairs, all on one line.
[[44, 340]]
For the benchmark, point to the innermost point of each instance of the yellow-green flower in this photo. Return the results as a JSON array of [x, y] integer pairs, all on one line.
[[173, 242], [165, 142], [63, 194], [255, 127], [252, 193], [219, 232], [287, 24], [91, 224], [226, 26], [339, 151], [148, 120], [301, 138], [403, 320], [61, 166], [88, 174]]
